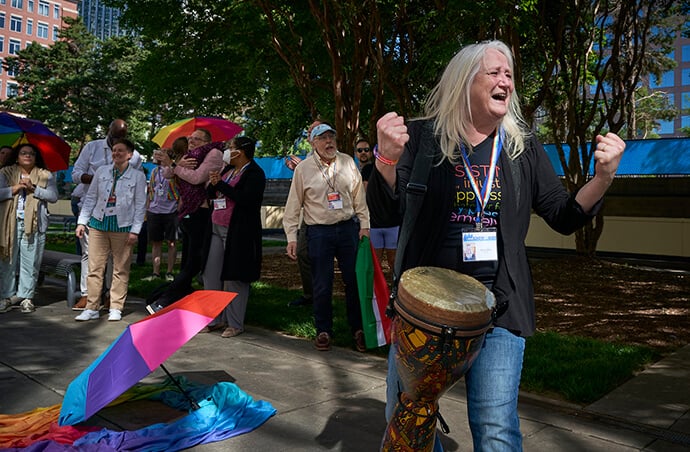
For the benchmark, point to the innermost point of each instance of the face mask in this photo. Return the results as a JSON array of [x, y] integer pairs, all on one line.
[[229, 155]]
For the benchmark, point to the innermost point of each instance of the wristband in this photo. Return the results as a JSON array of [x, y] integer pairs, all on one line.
[[383, 159]]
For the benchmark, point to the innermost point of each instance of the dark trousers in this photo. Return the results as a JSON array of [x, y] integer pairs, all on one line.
[[195, 230], [337, 241], [303, 262]]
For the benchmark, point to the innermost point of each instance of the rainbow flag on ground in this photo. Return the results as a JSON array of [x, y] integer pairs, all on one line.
[[373, 296]]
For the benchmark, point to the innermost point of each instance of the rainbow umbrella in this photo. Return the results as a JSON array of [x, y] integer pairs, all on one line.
[[221, 129], [138, 351], [16, 130]]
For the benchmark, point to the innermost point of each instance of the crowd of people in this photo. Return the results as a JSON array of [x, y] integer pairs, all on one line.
[[486, 174]]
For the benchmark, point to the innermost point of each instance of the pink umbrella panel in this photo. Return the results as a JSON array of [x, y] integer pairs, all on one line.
[[137, 352]]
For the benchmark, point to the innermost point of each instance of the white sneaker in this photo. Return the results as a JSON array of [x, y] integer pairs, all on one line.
[[114, 315], [27, 305], [87, 314]]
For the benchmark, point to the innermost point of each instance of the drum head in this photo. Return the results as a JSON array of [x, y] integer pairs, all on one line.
[[439, 296]]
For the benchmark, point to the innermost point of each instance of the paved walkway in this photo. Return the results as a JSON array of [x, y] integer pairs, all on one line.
[[325, 401]]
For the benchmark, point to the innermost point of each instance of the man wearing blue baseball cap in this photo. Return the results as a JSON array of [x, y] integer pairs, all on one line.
[[327, 187]]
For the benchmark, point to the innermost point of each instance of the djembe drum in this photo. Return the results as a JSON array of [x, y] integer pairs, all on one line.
[[442, 316]]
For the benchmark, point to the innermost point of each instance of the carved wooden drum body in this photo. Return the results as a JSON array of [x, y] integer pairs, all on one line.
[[442, 316]]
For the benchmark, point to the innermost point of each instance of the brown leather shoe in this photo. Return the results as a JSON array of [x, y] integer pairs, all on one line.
[[360, 344], [323, 342], [81, 304]]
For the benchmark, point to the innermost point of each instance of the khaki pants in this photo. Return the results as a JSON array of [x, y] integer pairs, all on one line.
[[101, 245]]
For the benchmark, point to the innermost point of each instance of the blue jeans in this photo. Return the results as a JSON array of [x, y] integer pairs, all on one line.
[[325, 243], [27, 254], [492, 386]]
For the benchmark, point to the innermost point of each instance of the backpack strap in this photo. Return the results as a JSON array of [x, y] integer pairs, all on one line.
[[414, 197]]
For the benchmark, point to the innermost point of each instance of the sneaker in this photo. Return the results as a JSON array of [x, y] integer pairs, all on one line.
[[301, 301], [360, 343], [231, 332], [5, 305], [114, 315], [169, 277], [27, 305], [81, 304], [153, 277], [153, 308], [323, 342], [87, 314]]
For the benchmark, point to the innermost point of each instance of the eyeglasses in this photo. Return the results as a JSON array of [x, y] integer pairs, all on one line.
[[360, 150], [193, 138], [27, 153]]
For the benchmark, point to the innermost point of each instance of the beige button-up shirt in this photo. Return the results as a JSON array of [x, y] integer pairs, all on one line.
[[312, 181]]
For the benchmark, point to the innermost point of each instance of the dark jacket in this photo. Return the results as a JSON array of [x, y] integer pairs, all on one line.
[[538, 188], [242, 261]]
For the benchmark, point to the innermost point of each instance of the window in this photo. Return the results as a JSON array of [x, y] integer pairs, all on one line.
[[665, 128], [56, 11], [12, 70], [2, 43], [43, 8], [665, 81], [19, 4], [684, 99], [16, 24], [15, 46], [685, 50], [42, 30], [12, 89], [30, 6], [2, 20], [56, 32], [29, 27], [685, 121], [685, 77], [0, 65]]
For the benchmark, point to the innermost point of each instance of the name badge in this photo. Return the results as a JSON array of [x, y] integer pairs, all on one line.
[[334, 201], [219, 204], [160, 192], [479, 245]]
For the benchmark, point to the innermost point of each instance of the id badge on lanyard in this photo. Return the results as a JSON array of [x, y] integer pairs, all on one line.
[[334, 201], [480, 243]]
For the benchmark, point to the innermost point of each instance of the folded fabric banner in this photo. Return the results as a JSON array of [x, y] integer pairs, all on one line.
[[373, 296], [225, 411]]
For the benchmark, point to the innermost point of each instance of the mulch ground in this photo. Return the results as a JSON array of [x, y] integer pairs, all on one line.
[[593, 298]]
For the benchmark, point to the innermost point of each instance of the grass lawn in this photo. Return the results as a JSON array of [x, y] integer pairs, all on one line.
[[576, 369]]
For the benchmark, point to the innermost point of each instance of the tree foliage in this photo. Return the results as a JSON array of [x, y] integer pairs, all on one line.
[[78, 85]]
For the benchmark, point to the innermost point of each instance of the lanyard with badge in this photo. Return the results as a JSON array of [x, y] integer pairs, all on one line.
[[112, 199], [480, 243], [333, 198], [220, 202]]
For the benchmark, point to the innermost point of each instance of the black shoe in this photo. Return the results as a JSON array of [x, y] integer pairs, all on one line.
[[301, 301], [153, 308]]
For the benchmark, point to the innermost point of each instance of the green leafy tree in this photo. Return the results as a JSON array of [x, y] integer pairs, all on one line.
[[78, 85]]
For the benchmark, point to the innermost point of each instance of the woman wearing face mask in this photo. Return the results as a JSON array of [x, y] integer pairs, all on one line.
[[234, 256]]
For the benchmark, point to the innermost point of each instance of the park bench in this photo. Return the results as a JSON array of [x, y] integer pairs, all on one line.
[[65, 265]]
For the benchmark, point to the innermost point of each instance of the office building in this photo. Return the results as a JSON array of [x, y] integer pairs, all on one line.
[[103, 21], [25, 21]]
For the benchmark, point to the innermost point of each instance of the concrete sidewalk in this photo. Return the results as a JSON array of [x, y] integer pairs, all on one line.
[[325, 401]]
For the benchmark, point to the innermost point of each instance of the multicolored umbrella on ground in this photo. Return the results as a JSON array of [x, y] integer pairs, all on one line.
[[221, 129], [138, 351], [16, 130]]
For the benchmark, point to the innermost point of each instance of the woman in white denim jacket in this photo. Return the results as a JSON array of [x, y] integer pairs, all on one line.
[[113, 210], [26, 188]]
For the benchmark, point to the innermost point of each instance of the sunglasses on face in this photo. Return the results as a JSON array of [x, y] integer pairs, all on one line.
[[360, 150]]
